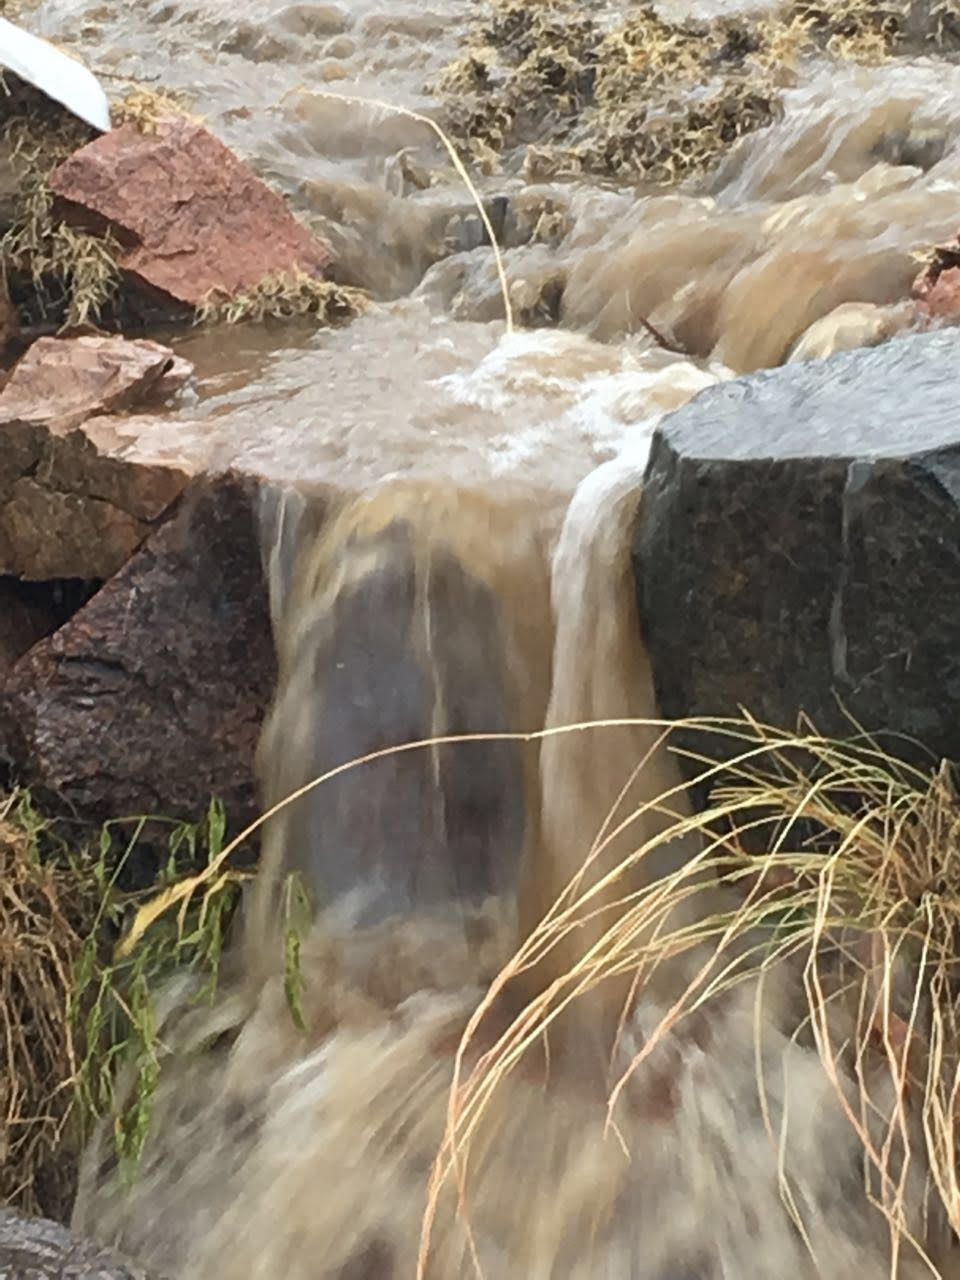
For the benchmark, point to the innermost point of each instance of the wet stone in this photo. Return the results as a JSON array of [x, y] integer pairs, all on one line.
[[39, 1249], [149, 699], [78, 493], [193, 218], [798, 546]]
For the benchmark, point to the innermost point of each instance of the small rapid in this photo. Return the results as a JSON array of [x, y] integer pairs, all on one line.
[[446, 521]]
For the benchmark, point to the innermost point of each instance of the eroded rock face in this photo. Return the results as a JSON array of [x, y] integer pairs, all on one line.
[[149, 700], [79, 491], [38, 1249], [799, 542], [192, 217]]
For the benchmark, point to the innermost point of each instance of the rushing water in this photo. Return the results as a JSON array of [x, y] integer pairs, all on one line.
[[447, 534]]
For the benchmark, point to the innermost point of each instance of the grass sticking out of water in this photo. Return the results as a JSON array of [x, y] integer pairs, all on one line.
[[284, 297], [653, 99], [832, 857], [147, 109]]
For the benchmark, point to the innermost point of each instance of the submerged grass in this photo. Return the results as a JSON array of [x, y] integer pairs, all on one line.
[[653, 99]]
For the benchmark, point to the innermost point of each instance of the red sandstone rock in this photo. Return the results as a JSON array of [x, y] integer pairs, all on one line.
[[80, 490], [62, 381], [937, 287], [942, 297], [193, 217]]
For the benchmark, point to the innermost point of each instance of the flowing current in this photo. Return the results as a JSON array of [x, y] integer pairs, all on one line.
[[446, 528]]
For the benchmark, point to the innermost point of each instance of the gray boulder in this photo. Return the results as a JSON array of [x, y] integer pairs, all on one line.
[[39, 1249], [798, 547]]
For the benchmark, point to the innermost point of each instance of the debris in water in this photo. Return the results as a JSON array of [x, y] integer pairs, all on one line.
[[654, 98], [148, 109], [284, 296]]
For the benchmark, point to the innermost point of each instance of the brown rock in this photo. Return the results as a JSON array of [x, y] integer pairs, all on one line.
[[62, 381], [149, 700], [193, 216], [39, 1249], [942, 298], [79, 493], [937, 287]]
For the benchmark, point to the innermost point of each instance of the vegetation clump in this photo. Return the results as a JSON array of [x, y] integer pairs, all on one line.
[[286, 296], [830, 865], [45, 915], [80, 1024], [55, 274], [652, 100]]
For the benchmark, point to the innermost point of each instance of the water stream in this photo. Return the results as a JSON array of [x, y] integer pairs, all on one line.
[[446, 529]]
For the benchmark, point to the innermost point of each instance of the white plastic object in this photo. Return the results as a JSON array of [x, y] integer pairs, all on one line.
[[54, 73]]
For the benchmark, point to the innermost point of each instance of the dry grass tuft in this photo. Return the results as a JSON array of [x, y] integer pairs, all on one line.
[[829, 871], [147, 109], [45, 915], [831, 859], [57, 273], [285, 297]]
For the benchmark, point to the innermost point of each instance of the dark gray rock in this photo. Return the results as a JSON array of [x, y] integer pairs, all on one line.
[[38, 1249], [799, 543]]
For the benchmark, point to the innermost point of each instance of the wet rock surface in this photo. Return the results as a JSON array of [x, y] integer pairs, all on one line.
[[39, 1249], [799, 546], [62, 381], [191, 218], [149, 700], [79, 491]]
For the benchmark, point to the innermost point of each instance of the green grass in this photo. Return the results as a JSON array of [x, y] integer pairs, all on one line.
[[81, 1023]]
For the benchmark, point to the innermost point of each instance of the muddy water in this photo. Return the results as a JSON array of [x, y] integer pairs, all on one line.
[[447, 541]]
